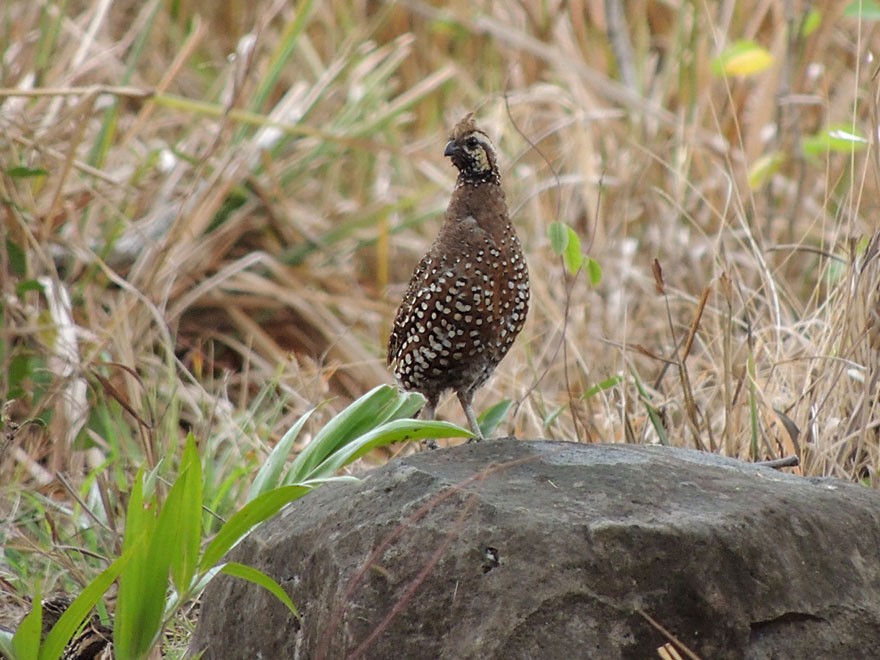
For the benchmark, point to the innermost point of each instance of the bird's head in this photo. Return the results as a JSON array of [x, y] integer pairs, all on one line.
[[472, 153]]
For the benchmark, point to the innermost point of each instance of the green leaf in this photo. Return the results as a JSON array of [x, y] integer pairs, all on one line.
[[558, 234], [269, 476], [653, 413], [742, 58], [386, 434], [838, 138], [866, 10], [835, 272], [358, 416], [811, 22], [567, 244], [261, 508], [142, 588], [572, 256], [553, 416], [21, 367], [17, 259], [26, 641], [182, 517], [22, 172], [138, 520], [594, 271], [80, 608], [170, 547], [373, 409], [492, 417], [259, 578], [28, 285], [603, 386]]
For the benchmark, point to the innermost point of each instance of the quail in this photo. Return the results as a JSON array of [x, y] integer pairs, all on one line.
[[468, 298]]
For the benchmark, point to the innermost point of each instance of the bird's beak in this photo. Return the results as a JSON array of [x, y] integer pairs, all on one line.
[[451, 149]]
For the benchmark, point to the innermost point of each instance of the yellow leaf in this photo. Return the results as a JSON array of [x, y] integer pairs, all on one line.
[[743, 58], [749, 63]]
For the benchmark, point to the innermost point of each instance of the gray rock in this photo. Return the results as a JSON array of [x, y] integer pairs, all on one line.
[[512, 549]]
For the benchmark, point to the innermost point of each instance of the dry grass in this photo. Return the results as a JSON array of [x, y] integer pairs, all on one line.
[[221, 242]]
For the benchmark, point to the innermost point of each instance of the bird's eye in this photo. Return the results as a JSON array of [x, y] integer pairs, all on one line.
[[472, 143]]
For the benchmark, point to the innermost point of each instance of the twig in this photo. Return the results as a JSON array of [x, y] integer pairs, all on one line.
[[668, 635], [788, 461]]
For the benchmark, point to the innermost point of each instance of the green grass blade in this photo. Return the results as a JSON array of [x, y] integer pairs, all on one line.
[[278, 62], [653, 415]]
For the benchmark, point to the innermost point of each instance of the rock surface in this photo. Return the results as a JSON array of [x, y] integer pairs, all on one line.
[[513, 549]]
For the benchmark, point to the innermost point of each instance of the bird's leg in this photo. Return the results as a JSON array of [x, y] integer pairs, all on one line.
[[466, 399], [427, 412]]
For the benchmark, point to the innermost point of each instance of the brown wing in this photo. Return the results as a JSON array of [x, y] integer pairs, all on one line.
[[398, 330]]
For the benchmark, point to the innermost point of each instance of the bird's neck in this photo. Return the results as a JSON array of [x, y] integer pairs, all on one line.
[[489, 178]]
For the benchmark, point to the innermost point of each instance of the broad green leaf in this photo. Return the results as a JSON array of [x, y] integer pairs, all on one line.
[[26, 641], [139, 520], [492, 417], [261, 579], [269, 476], [182, 514], [838, 138], [405, 406], [558, 234], [171, 549], [142, 588], [742, 58], [594, 271], [397, 431], [866, 10], [360, 416], [572, 257], [242, 521], [379, 405]]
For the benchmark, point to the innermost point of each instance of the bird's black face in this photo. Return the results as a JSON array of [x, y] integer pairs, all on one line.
[[474, 156]]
